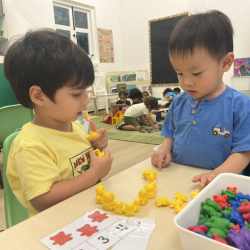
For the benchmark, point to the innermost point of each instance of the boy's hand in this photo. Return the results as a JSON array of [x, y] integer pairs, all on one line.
[[160, 158], [204, 178], [100, 141], [101, 166]]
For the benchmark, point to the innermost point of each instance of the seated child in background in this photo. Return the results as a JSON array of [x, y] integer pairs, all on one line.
[[145, 94], [139, 110], [169, 96], [177, 91], [50, 74], [135, 95], [123, 102], [208, 125]]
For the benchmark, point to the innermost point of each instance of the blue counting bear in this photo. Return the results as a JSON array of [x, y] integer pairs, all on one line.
[[235, 204], [236, 218], [241, 196], [208, 236]]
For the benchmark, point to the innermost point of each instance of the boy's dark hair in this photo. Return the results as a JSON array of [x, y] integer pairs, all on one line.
[[152, 101], [167, 90], [46, 59], [122, 92], [177, 90], [135, 93], [212, 31], [145, 93]]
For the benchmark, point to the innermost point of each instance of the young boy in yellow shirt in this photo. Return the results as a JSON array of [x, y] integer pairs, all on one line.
[[48, 158]]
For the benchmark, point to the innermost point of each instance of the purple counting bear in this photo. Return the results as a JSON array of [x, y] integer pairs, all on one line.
[[239, 239], [236, 218]]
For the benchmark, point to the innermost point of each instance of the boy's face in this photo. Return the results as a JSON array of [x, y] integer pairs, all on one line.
[[69, 104], [199, 74], [123, 98]]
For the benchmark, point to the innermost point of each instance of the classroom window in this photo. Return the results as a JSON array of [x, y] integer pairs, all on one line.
[[76, 23]]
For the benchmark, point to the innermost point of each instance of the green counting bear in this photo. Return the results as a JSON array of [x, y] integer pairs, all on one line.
[[202, 219], [230, 194], [248, 226], [226, 213], [211, 208], [219, 226]]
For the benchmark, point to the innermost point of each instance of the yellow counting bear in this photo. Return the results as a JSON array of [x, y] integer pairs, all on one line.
[[148, 173], [108, 201], [118, 207], [129, 209], [143, 194], [195, 193], [162, 202], [182, 197], [175, 203], [99, 153], [100, 190], [91, 135], [137, 202], [177, 209], [151, 190]]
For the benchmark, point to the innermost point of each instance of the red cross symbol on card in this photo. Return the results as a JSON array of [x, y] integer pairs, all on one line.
[[97, 216], [61, 238], [87, 230]]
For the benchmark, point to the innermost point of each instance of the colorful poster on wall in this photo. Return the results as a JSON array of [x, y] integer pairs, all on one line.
[[242, 67], [106, 45]]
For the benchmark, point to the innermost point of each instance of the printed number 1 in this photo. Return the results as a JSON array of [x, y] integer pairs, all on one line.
[[105, 240]]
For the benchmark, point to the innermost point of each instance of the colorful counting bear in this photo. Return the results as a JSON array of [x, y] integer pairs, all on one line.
[[149, 172], [193, 194], [100, 190], [175, 203], [118, 207], [137, 202], [151, 191], [129, 209], [182, 197], [108, 201], [177, 209], [91, 135], [219, 226], [99, 153], [143, 195], [202, 229], [211, 208], [162, 202]]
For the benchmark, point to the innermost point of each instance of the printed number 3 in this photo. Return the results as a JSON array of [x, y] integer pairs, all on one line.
[[105, 240]]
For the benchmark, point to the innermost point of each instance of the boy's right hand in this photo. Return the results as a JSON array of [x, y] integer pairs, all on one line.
[[101, 166], [160, 158]]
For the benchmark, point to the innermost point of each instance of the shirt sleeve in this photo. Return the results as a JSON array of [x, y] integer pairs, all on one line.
[[129, 103], [36, 171], [168, 125], [145, 111]]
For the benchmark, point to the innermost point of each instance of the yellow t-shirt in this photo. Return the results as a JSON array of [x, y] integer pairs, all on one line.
[[40, 156]]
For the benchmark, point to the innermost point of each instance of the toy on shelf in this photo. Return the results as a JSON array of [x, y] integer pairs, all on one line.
[[114, 119], [195, 193], [91, 135], [99, 153]]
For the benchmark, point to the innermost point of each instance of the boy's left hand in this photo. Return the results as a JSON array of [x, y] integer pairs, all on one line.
[[204, 178], [100, 141]]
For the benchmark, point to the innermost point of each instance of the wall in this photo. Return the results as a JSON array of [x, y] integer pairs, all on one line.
[[238, 12]]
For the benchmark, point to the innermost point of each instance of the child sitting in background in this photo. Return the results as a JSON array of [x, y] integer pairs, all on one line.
[[177, 91], [135, 95], [208, 125], [123, 102], [139, 110], [169, 96], [47, 160], [145, 94]]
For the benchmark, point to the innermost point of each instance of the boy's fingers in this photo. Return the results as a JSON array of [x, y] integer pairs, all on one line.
[[167, 160], [204, 180], [92, 154], [159, 162], [196, 178], [92, 126], [101, 131]]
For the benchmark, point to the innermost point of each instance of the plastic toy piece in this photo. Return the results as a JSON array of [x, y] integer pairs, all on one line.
[[108, 201], [175, 203], [215, 237], [129, 209], [151, 190], [193, 194], [91, 135], [236, 228], [182, 197], [202, 219], [230, 194], [245, 210], [241, 196], [177, 209], [239, 239], [221, 233], [115, 119], [210, 208], [207, 236], [137, 204], [202, 229], [100, 190], [220, 199], [236, 218], [99, 153], [162, 202], [224, 205], [149, 172], [218, 223], [118, 207], [234, 189], [143, 194], [226, 212]]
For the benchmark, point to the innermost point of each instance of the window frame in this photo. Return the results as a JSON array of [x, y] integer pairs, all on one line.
[[92, 28]]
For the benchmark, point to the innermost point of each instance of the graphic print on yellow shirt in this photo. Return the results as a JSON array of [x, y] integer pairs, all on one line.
[[39, 157]]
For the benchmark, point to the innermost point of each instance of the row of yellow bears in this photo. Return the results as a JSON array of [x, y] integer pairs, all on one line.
[[129, 209]]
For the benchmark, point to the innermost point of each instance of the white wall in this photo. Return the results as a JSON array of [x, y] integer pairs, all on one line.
[[238, 11]]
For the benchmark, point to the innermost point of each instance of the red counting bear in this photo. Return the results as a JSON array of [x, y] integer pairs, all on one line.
[[245, 210], [201, 229], [221, 201]]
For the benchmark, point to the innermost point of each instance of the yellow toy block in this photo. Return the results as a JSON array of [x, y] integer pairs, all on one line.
[[175, 203], [182, 197], [100, 190], [118, 207], [177, 209], [91, 135], [99, 153], [195, 193]]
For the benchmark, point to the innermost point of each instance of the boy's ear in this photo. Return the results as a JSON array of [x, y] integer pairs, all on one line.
[[228, 61], [36, 95]]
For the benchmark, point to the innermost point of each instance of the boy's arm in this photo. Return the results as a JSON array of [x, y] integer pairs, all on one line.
[[99, 167], [235, 163], [170, 98], [151, 122]]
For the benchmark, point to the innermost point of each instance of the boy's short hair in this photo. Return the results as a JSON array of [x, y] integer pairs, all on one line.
[[167, 90], [212, 31], [178, 90], [152, 101], [145, 93], [135, 93], [46, 59]]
